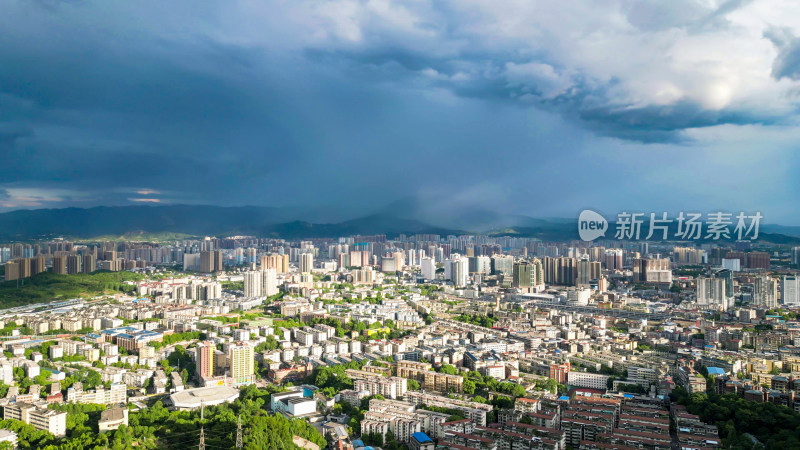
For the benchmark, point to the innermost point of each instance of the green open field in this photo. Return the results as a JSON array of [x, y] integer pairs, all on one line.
[[47, 287]]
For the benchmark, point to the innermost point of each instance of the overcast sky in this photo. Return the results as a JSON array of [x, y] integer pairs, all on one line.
[[530, 107]]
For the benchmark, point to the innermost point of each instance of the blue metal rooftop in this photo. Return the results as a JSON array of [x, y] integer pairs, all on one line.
[[421, 437]]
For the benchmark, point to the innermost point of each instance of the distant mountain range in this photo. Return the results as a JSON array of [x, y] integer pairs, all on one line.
[[194, 220], [406, 216]]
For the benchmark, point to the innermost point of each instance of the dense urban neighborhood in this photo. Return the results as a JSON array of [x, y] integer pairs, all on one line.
[[418, 342]]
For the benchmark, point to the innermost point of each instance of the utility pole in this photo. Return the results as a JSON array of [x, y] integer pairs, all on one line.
[[239, 443], [202, 431]]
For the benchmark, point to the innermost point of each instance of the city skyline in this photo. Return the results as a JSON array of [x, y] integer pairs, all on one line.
[[418, 225], [525, 110]]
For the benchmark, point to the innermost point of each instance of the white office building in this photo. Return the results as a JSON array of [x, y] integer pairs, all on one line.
[[790, 290], [428, 266]]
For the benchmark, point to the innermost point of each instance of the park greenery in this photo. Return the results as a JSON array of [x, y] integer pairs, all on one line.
[[774, 426], [156, 427], [233, 285], [688, 271], [429, 290], [237, 318], [46, 287], [341, 330], [474, 319], [784, 314], [173, 338]]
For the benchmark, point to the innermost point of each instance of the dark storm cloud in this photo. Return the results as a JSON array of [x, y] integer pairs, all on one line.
[[362, 103], [484, 67]]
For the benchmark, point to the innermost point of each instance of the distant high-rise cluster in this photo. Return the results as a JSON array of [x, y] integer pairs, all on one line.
[[689, 255], [24, 267]]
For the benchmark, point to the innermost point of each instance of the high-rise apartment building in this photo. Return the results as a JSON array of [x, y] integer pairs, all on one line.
[[60, 263], [204, 359], [252, 283], [758, 260], [614, 259], [392, 262], [24, 268], [503, 265], [356, 259], [481, 264], [206, 262], [260, 283], [306, 262], [74, 263], [521, 275], [765, 292], [275, 261], [559, 372], [428, 267], [241, 362], [734, 265], [712, 292], [89, 263], [561, 270], [597, 254], [688, 255], [528, 275], [210, 261], [652, 270], [12, 271], [588, 271], [456, 269], [37, 265], [790, 290], [218, 260]]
